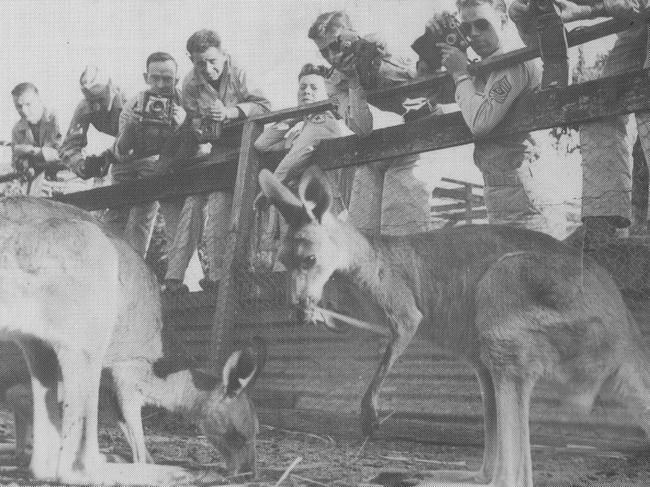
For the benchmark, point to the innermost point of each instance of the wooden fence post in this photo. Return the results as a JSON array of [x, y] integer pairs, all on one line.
[[221, 343]]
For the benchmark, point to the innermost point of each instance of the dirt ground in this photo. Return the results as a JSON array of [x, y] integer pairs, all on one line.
[[326, 462]]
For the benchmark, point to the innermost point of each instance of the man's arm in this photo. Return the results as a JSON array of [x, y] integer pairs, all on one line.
[[251, 100], [484, 111], [76, 139], [272, 139]]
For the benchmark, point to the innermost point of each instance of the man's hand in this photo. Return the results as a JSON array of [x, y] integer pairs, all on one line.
[[26, 150], [220, 113], [437, 23], [453, 59], [179, 114], [520, 13], [570, 11]]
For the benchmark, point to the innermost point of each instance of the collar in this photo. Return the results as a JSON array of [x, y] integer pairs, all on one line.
[[23, 124]]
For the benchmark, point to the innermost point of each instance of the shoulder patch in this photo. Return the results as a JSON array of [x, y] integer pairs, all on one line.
[[500, 90]]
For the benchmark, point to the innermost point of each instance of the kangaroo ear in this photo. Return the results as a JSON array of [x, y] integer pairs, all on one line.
[[315, 193], [240, 370], [284, 200]]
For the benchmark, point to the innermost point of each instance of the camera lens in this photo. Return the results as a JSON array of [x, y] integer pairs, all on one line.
[[451, 39]]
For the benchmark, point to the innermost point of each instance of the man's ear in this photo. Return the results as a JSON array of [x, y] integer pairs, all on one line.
[[315, 193], [284, 200], [144, 77]]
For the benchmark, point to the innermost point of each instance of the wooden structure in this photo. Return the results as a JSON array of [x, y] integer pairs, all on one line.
[[473, 205], [314, 378]]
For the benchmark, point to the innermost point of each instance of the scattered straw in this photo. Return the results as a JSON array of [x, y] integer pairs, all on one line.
[[309, 481], [384, 419], [288, 471], [363, 445]]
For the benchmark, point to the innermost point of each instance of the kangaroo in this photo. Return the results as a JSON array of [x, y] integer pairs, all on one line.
[[77, 299], [516, 304], [222, 409]]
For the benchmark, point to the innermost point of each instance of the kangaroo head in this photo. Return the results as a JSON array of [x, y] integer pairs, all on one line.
[[310, 250], [228, 417]]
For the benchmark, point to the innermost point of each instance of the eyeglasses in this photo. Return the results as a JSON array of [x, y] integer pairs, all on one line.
[[480, 24]]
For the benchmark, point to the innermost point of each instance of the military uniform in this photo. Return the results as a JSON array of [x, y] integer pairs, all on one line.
[[198, 95], [386, 196], [605, 148], [48, 139], [133, 146], [485, 104], [105, 121]]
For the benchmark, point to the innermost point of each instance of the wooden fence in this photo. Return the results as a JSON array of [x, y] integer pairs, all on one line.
[[314, 379]]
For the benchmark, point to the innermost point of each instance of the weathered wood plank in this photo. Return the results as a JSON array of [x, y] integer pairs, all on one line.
[[201, 179], [240, 226], [576, 104]]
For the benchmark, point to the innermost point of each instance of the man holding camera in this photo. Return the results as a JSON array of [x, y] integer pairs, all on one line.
[[605, 148], [386, 196], [35, 139], [147, 122], [215, 91], [101, 108], [487, 103]]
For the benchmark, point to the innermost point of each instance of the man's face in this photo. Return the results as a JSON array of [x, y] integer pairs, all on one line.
[[98, 97], [311, 88], [29, 106], [209, 62], [330, 45], [485, 26], [161, 77]]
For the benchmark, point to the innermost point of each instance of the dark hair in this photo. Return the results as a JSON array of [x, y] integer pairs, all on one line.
[[310, 68], [329, 22], [202, 40], [160, 57], [498, 5], [22, 88]]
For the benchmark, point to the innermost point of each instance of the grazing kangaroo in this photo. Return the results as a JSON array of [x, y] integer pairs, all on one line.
[[79, 299], [517, 304]]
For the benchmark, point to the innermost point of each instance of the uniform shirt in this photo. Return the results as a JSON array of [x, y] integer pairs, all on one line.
[[300, 140], [352, 103], [198, 95], [49, 139], [77, 137], [487, 103], [154, 136]]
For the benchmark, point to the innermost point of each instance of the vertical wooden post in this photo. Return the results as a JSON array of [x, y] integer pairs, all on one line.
[[468, 203], [221, 343]]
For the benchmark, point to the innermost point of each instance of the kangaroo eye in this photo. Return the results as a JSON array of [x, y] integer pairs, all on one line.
[[308, 262]]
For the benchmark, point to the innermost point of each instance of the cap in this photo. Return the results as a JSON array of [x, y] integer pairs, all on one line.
[[93, 80]]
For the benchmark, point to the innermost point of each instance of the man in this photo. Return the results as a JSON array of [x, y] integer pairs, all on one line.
[[101, 108], [386, 196], [300, 137], [143, 131], [605, 149], [35, 138], [215, 91], [486, 103]]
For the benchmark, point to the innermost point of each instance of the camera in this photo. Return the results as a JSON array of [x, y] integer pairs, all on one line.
[[367, 57], [207, 130], [157, 109], [452, 34]]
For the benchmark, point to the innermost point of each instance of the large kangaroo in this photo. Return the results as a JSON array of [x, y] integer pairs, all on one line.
[[77, 298], [517, 304]]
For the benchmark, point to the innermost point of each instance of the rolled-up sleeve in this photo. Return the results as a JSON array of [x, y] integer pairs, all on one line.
[[76, 139]]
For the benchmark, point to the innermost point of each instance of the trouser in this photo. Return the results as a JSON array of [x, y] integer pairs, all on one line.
[[388, 199], [604, 145], [508, 202], [199, 213], [134, 224]]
